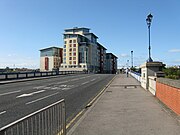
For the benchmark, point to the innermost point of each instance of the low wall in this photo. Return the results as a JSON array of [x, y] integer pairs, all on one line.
[[152, 84], [143, 83], [137, 76], [168, 91], [22, 75]]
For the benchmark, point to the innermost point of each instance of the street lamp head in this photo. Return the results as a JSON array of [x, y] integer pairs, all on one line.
[[149, 20], [150, 16]]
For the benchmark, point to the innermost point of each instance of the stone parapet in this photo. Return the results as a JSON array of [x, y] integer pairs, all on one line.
[[170, 82]]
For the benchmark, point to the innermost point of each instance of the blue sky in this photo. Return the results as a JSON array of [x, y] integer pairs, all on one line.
[[29, 25]]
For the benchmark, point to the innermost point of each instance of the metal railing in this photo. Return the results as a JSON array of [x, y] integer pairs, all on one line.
[[22, 75], [136, 75], [47, 121]]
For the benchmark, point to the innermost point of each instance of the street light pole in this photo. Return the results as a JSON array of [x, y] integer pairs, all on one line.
[[148, 21], [127, 64], [132, 59]]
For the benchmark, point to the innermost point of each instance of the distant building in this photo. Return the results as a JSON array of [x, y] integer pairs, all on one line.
[[80, 50], [111, 63], [50, 58], [102, 58]]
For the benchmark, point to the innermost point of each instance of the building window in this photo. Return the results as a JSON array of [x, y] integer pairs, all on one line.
[[70, 62], [70, 54], [64, 46], [70, 58], [70, 41], [64, 50], [65, 42], [74, 49], [64, 54], [74, 41], [74, 58], [74, 45], [74, 62], [46, 63], [74, 54], [70, 45], [70, 49]]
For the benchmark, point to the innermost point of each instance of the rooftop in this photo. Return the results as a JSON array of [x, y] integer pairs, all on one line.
[[91, 34], [101, 46], [76, 28], [111, 54], [49, 48]]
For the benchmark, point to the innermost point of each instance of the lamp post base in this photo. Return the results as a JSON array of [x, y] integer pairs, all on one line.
[[149, 59]]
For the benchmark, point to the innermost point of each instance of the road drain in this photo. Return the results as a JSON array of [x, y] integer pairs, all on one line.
[[130, 87], [125, 86]]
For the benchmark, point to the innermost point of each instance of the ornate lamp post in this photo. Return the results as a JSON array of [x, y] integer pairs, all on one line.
[[148, 21]]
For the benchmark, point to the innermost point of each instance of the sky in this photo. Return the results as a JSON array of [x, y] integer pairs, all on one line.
[[26, 26]]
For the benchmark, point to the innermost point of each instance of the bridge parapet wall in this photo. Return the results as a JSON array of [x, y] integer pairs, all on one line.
[[168, 91]]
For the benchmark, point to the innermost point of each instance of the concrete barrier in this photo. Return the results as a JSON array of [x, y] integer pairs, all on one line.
[[152, 84], [17, 75]]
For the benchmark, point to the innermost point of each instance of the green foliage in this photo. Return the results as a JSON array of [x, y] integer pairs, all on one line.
[[138, 70], [172, 72]]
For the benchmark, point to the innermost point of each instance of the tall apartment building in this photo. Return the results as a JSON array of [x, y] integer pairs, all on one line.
[[50, 58], [102, 58], [80, 50], [111, 63]]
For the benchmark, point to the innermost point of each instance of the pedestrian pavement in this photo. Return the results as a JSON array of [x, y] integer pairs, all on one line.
[[125, 108]]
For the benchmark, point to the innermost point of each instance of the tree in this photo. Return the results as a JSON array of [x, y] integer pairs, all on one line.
[[172, 72]]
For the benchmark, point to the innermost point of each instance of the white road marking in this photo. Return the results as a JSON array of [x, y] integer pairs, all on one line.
[[55, 88], [63, 85], [41, 98], [2, 112], [10, 93], [93, 79], [85, 82], [30, 94], [66, 88], [39, 87], [47, 87]]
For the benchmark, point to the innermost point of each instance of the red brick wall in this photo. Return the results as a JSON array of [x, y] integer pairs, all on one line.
[[169, 96]]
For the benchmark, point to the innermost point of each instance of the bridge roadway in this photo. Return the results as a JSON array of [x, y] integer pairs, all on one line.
[[22, 98]]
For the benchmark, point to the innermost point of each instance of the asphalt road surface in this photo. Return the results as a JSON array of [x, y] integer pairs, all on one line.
[[22, 98]]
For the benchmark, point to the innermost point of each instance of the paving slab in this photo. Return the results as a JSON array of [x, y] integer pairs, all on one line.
[[126, 108]]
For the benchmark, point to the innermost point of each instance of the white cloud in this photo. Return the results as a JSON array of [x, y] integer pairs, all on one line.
[[174, 50]]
